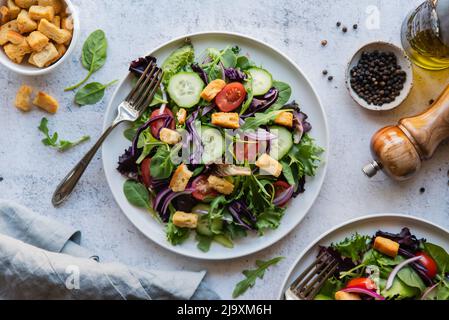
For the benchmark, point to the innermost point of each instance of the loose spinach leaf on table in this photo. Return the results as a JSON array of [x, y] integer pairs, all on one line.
[[52, 140], [93, 55], [92, 93], [137, 194], [253, 275]]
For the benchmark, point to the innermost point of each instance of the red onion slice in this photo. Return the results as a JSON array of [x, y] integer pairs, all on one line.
[[397, 269], [364, 291]]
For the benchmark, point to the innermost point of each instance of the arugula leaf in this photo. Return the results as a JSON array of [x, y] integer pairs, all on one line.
[[92, 93], [177, 60], [176, 235], [353, 247], [52, 140], [161, 164], [288, 173], [158, 99], [137, 194], [249, 95], [253, 275], [93, 56], [147, 142], [440, 256], [260, 119], [307, 155]]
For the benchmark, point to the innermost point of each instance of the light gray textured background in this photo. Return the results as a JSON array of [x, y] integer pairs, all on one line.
[[31, 171]]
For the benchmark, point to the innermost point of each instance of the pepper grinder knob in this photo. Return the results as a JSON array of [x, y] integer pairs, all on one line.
[[371, 169]]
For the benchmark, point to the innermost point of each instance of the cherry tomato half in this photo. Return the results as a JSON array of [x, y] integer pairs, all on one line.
[[364, 283], [279, 187], [157, 125], [145, 170], [250, 151], [231, 97], [203, 190], [428, 263]]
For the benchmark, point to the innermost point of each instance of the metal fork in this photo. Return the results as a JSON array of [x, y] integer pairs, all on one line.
[[129, 110], [310, 282]]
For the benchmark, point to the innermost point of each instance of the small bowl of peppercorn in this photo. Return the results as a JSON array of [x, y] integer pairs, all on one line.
[[380, 76]]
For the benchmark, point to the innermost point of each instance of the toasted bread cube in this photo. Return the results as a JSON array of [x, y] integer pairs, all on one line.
[[57, 5], [170, 137], [40, 59], [285, 119], [25, 4], [386, 246], [25, 23], [14, 10], [226, 120], [221, 185], [38, 12], [213, 89], [16, 52], [23, 98], [46, 102], [56, 34], [67, 23], [4, 29], [341, 295], [180, 178], [61, 51], [57, 21], [181, 116], [269, 165], [15, 37], [37, 41], [185, 220], [5, 15]]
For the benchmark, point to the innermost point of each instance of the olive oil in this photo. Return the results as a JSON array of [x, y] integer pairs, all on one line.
[[425, 35]]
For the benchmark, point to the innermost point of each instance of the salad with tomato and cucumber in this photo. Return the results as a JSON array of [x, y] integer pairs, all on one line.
[[387, 266], [221, 150]]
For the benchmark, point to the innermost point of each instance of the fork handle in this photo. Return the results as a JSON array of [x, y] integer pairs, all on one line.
[[66, 187]]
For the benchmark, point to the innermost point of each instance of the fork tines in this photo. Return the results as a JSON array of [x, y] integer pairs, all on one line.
[[310, 282], [146, 87]]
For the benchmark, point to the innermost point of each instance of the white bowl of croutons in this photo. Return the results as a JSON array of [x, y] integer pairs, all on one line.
[[36, 36]]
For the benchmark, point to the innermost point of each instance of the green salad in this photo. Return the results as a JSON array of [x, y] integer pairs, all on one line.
[[221, 150]]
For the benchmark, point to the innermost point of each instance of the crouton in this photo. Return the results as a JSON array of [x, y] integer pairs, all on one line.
[[269, 165], [181, 116], [37, 41], [285, 119], [15, 37], [14, 10], [5, 15], [56, 34], [46, 102], [57, 21], [25, 23], [386, 246], [213, 89], [57, 5], [180, 178], [23, 98], [185, 220], [341, 295], [221, 185], [40, 59], [169, 136], [16, 52], [226, 120], [67, 23], [25, 4], [61, 51], [4, 29], [38, 12]]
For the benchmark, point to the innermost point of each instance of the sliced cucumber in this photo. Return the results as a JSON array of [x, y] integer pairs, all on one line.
[[213, 143], [185, 89], [209, 228], [262, 81], [282, 145]]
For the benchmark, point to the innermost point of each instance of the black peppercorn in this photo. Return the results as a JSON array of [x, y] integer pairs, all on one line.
[[330, 78], [338, 24], [325, 72], [324, 43], [344, 29], [355, 27]]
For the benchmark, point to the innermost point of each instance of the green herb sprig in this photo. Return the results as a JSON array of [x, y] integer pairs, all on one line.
[[51, 140]]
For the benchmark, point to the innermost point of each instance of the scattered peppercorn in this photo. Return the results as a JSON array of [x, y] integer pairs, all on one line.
[[325, 72], [355, 26], [344, 29], [1, 179], [338, 24], [431, 101], [377, 78], [422, 190], [324, 43], [330, 78]]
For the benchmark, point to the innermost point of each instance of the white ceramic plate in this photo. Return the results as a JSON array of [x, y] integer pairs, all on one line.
[[282, 69], [367, 226]]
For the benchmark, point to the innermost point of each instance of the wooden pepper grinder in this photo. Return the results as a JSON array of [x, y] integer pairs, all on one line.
[[399, 150]]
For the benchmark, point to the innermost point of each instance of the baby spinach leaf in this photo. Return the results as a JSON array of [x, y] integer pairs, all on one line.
[[177, 60], [52, 140], [93, 55], [204, 242], [411, 278], [229, 59], [92, 93], [285, 93], [161, 164], [253, 275], [147, 142], [137, 194], [244, 63], [440, 256]]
